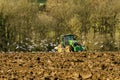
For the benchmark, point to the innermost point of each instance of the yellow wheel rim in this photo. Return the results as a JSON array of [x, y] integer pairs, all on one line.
[[67, 49], [60, 49]]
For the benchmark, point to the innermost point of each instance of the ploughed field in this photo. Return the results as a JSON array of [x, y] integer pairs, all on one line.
[[60, 66]]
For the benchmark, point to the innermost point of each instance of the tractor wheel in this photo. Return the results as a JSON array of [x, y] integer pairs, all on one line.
[[67, 49], [60, 48]]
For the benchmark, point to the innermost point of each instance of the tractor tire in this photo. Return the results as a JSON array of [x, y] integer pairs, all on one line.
[[67, 49], [60, 48]]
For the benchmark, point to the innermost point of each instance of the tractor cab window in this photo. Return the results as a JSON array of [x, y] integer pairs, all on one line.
[[70, 37]]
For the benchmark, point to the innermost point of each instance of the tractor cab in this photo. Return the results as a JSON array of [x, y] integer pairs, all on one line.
[[66, 38]]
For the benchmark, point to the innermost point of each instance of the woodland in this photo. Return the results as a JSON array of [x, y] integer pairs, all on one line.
[[36, 25]]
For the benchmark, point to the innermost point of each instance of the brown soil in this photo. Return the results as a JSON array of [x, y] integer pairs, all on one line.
[[60, 66]]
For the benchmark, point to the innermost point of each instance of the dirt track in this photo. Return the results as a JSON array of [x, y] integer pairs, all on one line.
[[64, 66]]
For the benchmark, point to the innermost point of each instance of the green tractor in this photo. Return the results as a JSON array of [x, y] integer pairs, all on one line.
[[69, 44]]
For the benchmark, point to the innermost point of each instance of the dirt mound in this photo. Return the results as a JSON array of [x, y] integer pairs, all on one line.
[[60, 66]]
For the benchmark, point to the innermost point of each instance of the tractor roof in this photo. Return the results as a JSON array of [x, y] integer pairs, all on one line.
[[68, 35]]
